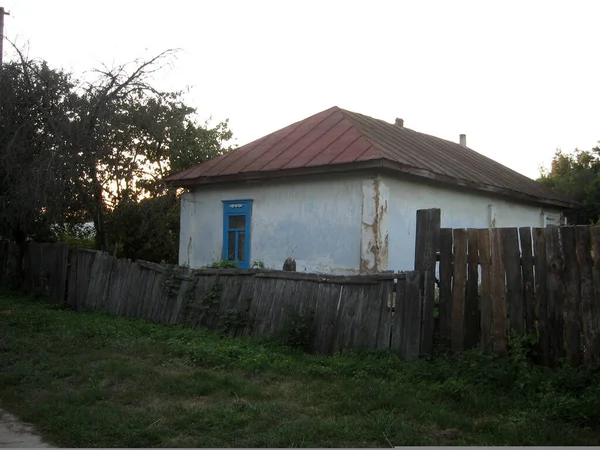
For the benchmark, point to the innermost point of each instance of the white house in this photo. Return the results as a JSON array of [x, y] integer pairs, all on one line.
[[339, 192]]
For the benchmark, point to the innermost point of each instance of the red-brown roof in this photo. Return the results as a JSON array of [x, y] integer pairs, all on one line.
[[337, 140]]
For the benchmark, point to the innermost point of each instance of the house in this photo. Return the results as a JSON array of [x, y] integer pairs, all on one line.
[[338, 191]]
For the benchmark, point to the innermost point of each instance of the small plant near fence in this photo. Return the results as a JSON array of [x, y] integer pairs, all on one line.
[[223, 264], [171, 283], [298, 330], [235, 320]]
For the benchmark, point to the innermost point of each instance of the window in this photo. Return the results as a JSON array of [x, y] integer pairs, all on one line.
[[236, 231]]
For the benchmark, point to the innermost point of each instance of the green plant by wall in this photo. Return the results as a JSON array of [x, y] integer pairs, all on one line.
[[223, 264]]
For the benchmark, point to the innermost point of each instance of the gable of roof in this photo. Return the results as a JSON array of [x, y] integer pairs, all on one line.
[[338, 140]]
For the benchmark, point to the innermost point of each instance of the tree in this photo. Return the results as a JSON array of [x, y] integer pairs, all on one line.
[[131, 136], [73, 152], [577, 175], [36, 112]]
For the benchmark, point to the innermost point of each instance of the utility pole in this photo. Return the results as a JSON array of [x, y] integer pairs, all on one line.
[[2, 14]]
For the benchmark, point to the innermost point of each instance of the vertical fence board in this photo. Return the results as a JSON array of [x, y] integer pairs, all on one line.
[[528, 280], [572, 285], [397, 340], [499, 308], [514, 285], [457, 335], [426, 248], [583, 245], [72, 279], [328, 296], [555, 267], [445, 295], [487, 318], [383, 328], [596, 299], [472, 299], [541, 293], [412, 316]]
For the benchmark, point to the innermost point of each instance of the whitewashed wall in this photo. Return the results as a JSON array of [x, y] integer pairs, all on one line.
[[460, 209], [317, 221]]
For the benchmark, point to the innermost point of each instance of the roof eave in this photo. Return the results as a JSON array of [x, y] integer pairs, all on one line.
[[471, 185], [364, 165], [270, 175]]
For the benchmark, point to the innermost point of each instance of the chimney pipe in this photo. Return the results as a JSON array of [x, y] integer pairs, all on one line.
[[463, 140], [400, 122]]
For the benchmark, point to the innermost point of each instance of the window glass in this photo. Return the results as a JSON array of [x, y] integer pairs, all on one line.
[[231, 246], [237, 222], [241, 246]]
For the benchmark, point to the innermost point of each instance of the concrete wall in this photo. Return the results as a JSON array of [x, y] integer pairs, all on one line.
[[460, 209], [317, 221]]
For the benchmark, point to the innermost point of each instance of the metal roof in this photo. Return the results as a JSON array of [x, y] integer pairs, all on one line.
[[336, 140]]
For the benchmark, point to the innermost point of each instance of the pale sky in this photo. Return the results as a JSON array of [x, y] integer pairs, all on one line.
[[519, 78]]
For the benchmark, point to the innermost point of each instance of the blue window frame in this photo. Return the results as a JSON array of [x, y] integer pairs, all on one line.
[[236, 231]]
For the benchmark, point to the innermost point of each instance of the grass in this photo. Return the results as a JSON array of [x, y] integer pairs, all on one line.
[[92, 380]]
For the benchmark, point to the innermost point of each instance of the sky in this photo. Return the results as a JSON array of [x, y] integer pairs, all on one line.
[[519, 78]]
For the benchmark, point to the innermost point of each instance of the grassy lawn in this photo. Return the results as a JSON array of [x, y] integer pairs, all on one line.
[[92, 380]]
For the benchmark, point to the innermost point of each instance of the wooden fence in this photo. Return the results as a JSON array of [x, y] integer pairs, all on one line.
[[360, 312], [470, 288], [542, 281]]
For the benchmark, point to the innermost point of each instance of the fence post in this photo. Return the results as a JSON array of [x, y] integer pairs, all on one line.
[[426, 247]]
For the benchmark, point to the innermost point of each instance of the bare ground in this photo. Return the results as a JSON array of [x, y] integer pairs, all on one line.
[[16, 434]]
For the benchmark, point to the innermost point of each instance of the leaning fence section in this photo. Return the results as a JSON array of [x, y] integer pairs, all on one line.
[[380, 311]]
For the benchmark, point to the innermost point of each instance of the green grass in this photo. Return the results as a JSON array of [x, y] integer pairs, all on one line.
[[92, 380]]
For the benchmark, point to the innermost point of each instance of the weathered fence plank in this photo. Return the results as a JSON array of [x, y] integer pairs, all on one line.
[[541, 293], [555, 264], [583, 244], [426, 248], [572, 284], [383, 329], [514, 284], [472, 298], [72, 280], [528, 279], [487, 318], [457, 335], [397, 343], [445, 291], [595, 347], [412, 317], [499, 308], [329, 298]]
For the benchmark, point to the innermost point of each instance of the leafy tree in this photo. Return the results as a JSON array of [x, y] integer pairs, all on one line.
[[577, 175], [36, 112], [132, 136], [73, 152], [148, 229]]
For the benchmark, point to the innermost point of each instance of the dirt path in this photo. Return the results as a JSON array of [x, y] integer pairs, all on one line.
[[16, 434]]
